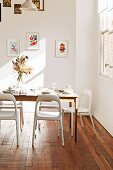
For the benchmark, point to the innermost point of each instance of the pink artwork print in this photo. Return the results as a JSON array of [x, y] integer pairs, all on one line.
[[33, 40], [62, 48]]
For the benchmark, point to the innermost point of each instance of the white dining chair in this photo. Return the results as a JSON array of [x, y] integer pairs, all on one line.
[[10, 114], [9, 105], [84, 108], [47, 105], [48, 114]]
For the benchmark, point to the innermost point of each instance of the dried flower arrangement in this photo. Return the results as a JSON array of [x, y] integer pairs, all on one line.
[[19, 65]]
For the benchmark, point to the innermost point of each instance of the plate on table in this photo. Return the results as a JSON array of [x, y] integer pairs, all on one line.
[[46, 92], [8, 91], [68, 91], [13, 92], [60, 90]]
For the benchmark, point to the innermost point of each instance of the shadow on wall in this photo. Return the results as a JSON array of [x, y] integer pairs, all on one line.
[[37, 60]]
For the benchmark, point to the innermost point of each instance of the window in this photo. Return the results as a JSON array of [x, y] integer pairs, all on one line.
[[105, 11]]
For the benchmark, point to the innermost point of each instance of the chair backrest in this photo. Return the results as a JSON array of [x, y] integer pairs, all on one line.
[[8, 97], [48, 98], [85, 99]]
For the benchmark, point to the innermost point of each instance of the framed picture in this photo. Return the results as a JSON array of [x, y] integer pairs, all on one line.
[[61, 48], [6, 3], [13, 47], [32, 41], [0, 12], [39, 4], [17, 9]]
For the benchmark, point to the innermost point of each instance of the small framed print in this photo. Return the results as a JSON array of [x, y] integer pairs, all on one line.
[[61, 48], [17, 9], [32, 41], [13, 47], [6, 3], [39, 4]]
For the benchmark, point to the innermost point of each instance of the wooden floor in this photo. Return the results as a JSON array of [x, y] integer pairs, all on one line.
[[91, 152]]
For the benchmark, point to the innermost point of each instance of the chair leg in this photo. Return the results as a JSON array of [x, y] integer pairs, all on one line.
[[38, 125], [58, 127], [38, 121], [17, 132], [63, 117], [0, 124], [34, 125], [21, 117], [62, 132], [92, 123], [81, 121], [22, 113]]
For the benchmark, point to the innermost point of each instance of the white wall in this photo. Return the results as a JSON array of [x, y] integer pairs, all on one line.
[[55, 23], [85, 44], [103, 103]]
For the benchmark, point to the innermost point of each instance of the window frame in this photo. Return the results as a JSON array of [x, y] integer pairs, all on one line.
[[105, 69]]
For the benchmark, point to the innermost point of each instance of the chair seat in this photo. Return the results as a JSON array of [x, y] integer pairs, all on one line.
[[82, 110], [7, 114], [45, 115], [72, 110]]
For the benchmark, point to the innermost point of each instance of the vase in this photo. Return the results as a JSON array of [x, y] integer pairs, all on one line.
[[20, 77], [21, 87]]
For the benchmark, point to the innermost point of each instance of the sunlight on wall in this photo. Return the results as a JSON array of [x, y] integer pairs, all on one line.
[[37, 60]]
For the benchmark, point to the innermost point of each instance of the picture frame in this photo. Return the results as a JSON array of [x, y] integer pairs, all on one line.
[[39, 4], [13, 47], [6, 3], [17, 9], [61, 48], [32, 41]]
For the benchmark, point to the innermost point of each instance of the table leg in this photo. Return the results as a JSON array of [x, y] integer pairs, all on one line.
[[70, 105], [76, 110]]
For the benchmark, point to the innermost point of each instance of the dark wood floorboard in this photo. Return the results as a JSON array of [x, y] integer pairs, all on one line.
[[91, 152]]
